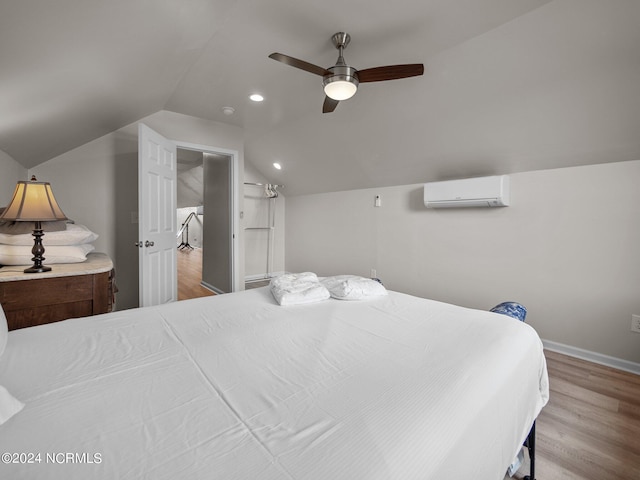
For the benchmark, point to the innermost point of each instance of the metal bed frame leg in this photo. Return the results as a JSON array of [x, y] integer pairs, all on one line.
[[530, 443]]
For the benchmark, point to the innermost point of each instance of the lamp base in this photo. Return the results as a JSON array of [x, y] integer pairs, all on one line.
[[37, 251], [37, 269]]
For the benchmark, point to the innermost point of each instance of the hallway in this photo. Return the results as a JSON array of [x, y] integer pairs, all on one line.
[[190, 274]]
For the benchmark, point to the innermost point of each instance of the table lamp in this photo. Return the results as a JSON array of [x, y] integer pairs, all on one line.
[[33, 201]]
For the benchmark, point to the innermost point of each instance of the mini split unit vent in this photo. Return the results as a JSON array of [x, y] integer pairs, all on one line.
[[468, 192]]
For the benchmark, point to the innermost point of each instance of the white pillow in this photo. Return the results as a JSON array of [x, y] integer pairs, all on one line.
[[74, 234], [21, 255], [9, 405], [25, 228], [353, 287], [4, 331]]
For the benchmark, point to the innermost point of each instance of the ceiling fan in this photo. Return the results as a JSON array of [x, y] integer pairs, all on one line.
[[341, 81]]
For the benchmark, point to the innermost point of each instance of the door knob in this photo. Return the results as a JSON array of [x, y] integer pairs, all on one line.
[[148, 244], [138, 244]]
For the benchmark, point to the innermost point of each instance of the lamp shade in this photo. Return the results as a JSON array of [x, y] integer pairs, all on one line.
[[32, 202]]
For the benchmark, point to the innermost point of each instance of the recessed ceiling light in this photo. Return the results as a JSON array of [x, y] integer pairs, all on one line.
[[228, 110], [256, 97], [277, 166]]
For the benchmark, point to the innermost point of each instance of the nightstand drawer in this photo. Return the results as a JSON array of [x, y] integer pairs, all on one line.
[[45, 291], [69, 291], [31, 317]]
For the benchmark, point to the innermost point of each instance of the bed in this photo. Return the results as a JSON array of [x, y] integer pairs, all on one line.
[[238, 387]]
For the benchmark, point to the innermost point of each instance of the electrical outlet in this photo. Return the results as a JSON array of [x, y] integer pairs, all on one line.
[[635, 323]]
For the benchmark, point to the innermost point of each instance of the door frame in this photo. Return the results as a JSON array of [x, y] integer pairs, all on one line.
[[234, 200]]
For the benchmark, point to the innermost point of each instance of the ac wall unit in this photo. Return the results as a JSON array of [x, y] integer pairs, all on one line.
[[469, 192]]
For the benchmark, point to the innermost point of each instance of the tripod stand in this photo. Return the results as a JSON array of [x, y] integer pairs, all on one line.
[[183, 230]]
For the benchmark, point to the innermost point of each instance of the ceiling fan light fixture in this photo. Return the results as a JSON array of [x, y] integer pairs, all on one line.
[[340, 88]]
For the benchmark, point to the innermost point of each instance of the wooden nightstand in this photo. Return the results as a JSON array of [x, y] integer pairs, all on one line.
[[68, 291]]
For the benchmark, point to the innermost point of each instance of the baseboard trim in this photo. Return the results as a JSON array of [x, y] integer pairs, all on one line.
[[594, 357], [263, 276], [212, 288]]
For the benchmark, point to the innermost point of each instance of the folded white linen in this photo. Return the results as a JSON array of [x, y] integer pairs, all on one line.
[[22, 255], [353, 287], [298, 289], [73, 234], [4, 331], [9, 405]]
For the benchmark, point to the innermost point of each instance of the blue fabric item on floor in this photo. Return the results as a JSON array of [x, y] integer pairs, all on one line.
[[511, 309]]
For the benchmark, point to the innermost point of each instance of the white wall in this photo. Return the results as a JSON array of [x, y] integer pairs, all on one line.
[[11, 171], [567, 248], [97, 185]]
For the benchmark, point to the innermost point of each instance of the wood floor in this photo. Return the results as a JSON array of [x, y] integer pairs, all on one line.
[[190, 274], [590, 429]]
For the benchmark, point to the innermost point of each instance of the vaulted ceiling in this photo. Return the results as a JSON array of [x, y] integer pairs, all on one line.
[[509, 85]]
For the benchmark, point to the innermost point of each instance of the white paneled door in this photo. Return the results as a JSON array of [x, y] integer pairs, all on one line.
[[157, 223]]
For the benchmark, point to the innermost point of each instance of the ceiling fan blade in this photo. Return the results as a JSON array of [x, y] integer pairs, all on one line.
[[390, 72], [301, 64], [329, 105]]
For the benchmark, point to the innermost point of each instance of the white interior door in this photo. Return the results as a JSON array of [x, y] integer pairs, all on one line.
[[157, 223]]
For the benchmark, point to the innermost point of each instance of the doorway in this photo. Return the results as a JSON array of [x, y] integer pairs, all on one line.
[[190, 210], [206, 230]]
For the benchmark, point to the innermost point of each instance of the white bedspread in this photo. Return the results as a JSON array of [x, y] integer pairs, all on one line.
[[236, 387]]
